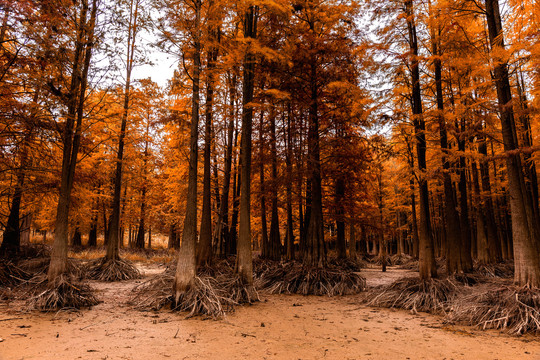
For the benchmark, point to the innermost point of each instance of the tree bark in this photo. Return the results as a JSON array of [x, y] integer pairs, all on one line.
[[223, 220], [525, 229], [204, 250], [427, 265], [187, 265], [288, 160], [265, 242], [275, 238], [244, 259], [114, 225], [71, 138]]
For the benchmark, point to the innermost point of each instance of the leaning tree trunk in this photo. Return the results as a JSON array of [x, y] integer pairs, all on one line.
[[427, 265], [244, 259], [187, 265], [525, 231]]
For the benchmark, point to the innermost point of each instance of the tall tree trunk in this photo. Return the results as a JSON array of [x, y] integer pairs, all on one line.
[[288, 160], [76, 240], [427, 265], [114, 225], [494, 251], [482, 248], [204, 250], [275, 238], [531, 179], [452, 228], [265, 242], [187, 265], [71, 138], [223, 220], [465, 250], [341, 244], [352, 242], [524, 223], [415, 237], [315, 251], [244, 259]]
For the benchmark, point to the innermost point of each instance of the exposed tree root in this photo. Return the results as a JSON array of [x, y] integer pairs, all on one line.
[[468, 279], [413, 294], [261, 265], [347, 264], [235, 289], [377, 260], [500, 270], [515, 310], [215, 291], [293, 278], [403, 259], [154, 293], [203, 298], [11, 274], [65, 294], [111, 270], [40, 265], [411, 265]]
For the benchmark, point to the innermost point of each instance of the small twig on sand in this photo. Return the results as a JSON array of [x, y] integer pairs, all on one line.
[[9, 319]]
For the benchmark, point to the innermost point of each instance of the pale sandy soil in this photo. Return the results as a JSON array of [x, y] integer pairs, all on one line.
[[280, 327]]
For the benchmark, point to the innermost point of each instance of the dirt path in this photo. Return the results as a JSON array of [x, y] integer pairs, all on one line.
[[280, 327]]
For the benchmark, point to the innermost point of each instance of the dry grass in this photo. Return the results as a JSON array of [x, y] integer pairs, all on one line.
[[66, 293], [506, 307], [111, 270], [414, 294], [162, 256], [293, 278]]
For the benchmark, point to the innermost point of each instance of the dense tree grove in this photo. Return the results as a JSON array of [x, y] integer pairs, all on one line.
[[302, 131]]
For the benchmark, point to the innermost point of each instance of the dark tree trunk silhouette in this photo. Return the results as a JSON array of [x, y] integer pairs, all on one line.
[[427, 264]]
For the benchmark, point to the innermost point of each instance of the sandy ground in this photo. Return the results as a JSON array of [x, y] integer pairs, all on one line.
[[280, 327]]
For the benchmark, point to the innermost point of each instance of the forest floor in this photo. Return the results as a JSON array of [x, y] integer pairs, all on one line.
[[279, 327]]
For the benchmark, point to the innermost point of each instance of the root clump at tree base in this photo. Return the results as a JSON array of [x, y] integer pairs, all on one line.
[[111, 270], [294, 278], [432, 296], [66, 293], [505, 307], [212, 294]]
